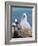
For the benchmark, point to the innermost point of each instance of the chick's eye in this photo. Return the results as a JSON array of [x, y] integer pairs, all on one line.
[[24, 16]]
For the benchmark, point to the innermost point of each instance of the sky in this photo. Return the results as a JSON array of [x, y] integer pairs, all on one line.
[[17, 13]]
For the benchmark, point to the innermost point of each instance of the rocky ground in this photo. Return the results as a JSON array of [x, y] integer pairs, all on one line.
[[20, 33]]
